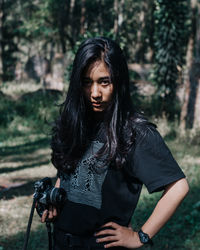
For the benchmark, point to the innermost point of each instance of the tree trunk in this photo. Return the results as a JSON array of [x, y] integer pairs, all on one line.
[[70, 31], [118, 9], [1, 39], [100, 17], [115, 28], [186, 82], [83, 10], [140, 45], [190, 112], [120, 14], [196, 123], [194, 77], [62, 23]]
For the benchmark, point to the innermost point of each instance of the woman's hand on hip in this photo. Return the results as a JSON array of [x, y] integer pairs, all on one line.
[[118, 236]]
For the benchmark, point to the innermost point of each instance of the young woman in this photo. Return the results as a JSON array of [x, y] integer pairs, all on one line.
[[104, 152]]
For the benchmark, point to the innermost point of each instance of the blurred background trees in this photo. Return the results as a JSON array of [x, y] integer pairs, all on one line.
[[171, 35], [161, 40]]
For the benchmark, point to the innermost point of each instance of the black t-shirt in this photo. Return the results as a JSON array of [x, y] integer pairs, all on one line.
[[98, 193]]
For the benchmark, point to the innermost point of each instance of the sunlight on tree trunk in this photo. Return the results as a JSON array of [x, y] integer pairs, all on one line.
[[72, 4], [139, 45], [118, 8], [186, 82]]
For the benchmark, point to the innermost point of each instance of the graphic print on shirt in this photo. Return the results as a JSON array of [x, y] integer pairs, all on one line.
[[85, 184]]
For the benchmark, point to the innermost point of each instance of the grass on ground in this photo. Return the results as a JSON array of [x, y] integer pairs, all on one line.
[[24, 163]]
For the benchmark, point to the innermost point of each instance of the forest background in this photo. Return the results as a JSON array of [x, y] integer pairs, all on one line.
[[38, 41]]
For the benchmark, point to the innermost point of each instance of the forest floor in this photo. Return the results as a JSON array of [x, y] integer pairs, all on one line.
[[26, 160]]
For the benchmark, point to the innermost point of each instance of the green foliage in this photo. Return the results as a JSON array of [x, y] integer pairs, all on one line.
[[7, 110], [170, 44], [137, 29], [55, 24], [33, 112], [32, 104], [8, 33], [52, 21], [144, 28], [192, 218], [80, 39], [36, 21]]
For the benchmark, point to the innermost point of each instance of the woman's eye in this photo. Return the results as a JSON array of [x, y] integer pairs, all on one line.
[[105, 82]]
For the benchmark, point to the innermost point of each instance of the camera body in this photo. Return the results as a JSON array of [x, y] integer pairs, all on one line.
[[46, 194]]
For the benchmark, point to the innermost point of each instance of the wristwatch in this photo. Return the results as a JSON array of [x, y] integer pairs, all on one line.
[[144, 238]]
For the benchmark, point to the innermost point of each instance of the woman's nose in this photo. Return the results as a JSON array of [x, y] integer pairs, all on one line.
[[95, 91]]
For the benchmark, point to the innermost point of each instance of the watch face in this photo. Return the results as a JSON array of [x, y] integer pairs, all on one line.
[[144, 238]]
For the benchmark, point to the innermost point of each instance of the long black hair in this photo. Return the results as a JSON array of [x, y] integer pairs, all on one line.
[[70, 132]]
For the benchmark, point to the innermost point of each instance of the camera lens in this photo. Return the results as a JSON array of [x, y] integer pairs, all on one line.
[[57, 196]]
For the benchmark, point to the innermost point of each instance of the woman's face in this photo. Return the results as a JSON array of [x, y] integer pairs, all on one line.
[[97, 87]]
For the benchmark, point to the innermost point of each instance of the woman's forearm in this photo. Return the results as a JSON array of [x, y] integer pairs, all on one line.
[[165, 208]]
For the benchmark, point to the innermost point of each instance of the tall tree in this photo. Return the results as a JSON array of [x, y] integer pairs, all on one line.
[[1, 38], [8, 33], [170, 43], [190, 113], [118, 19], [50, 26], [137, 30], [83, 10]]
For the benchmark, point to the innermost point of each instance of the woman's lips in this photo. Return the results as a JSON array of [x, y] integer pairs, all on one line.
[[95, 104]]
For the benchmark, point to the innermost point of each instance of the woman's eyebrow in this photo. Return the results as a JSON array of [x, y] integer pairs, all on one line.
[[104, 78], [100, 78]]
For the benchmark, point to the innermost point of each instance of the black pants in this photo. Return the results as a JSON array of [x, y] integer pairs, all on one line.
[[64, 241]]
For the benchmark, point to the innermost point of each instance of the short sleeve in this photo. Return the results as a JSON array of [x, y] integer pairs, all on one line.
[[153, 163]]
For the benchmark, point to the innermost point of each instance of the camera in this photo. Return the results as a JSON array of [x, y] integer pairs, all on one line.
[[46, 194]]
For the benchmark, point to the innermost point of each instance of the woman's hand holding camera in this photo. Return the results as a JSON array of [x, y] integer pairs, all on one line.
[[52, 212], [49, 214]]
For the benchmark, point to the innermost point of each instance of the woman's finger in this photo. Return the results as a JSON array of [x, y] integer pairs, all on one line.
[[111, 224], [50, 212], [107, 239], [44, 215], [55, 212], [106, 231]]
